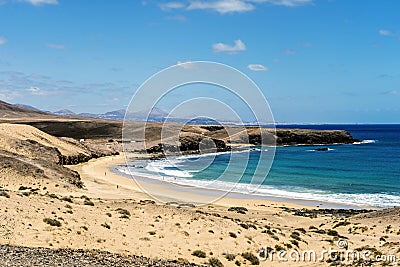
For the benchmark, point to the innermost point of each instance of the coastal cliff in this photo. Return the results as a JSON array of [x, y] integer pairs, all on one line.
[[218, 138]]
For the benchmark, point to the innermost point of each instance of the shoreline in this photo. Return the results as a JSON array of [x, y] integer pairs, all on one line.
[[180, 191], [126, 187]]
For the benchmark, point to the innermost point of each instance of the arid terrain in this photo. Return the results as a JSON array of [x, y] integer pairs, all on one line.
[[61, 204]]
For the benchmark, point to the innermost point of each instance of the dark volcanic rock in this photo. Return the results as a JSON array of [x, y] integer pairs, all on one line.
[[74, 159], [310, 137], [193, 143], [30, 256]]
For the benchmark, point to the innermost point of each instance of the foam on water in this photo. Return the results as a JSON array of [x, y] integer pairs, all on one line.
[[362, 200], [365, 142], [168, 167]]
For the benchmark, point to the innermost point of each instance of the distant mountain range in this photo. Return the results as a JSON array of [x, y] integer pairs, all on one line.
[[153, 115]]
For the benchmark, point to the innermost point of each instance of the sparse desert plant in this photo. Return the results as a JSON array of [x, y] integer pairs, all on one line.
[[88, 202], [68, 199], [296, 236], [152, 233], [214, 262], [52, 222], [343, 223], [144, 239], [252, 226], [199, 253], [124, 213], [53, 196], [108, 214], [301, 230], [241, 210], [106, 225], [279, 248], [4, 194], [245, 226], [294, 242], [230, 256], [231, 234], [85, 197], [251, 258], [84, 228], [289, 246], [332, 232], [23, 188]]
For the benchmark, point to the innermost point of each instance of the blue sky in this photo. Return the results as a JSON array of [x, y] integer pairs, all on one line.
[[316, 61]]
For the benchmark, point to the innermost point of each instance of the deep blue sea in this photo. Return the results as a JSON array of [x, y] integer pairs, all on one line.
[[364, 174]]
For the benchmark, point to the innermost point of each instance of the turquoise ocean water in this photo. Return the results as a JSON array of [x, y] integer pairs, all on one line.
[[363, 174]]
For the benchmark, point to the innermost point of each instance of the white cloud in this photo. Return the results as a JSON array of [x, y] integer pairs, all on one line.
[[222, 6], [56, 46], [221, 47], [288, 3], [172, 5], [386, 33], [41, 2], [257, 67], [229, 6], [3, 40], [35, 91], [290, 52]]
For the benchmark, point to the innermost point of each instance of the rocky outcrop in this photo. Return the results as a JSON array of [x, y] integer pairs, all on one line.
[[197, 143], [312, 137], [74, 159], [204, 143], [191, 144]]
